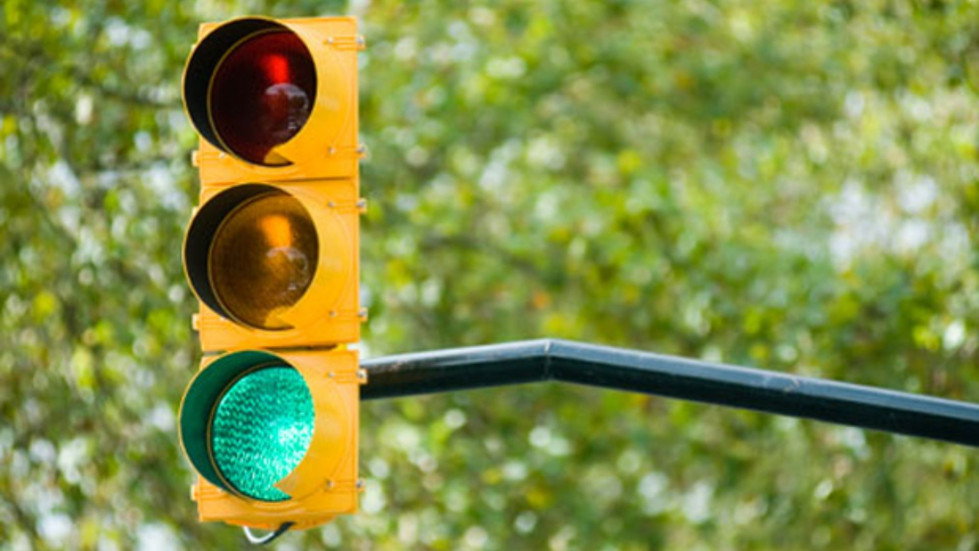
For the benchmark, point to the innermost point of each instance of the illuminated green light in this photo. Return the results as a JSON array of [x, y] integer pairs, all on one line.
[[261, 429]]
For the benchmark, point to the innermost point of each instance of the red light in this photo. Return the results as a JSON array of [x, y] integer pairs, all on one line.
[[278, 68], [262, 94]]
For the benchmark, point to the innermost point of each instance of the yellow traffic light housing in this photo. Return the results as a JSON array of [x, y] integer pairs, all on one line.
[[275, 104], [275, 98], [276, 265], [270, 420], [273, 436]]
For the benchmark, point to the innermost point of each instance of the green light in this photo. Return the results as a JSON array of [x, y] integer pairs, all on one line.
[[261, 429]]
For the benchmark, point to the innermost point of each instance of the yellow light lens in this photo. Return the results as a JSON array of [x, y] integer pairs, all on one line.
[[263, 258]]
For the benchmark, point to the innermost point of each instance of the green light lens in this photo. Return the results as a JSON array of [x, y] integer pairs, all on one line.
[[261, 429]]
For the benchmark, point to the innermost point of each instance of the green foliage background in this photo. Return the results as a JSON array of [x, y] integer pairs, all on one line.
[[784, 184]]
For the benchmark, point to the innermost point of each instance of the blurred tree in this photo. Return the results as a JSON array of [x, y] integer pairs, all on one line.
[[789, 185]]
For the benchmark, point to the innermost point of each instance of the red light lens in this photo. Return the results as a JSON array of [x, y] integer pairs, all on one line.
[[262, 94]]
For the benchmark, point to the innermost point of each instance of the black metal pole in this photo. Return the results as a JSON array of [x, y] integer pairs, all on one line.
[[713, 383]]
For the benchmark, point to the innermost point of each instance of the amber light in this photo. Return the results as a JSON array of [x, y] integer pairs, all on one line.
[[263, 258], [262, 94]]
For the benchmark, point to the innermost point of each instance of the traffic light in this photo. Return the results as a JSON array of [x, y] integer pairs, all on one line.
[[273, 436], [270, 420]]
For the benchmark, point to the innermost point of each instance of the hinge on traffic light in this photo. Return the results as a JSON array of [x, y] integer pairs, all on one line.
[[343, 377], [359, 151], [347, 42], [343, 485], [347, 206]]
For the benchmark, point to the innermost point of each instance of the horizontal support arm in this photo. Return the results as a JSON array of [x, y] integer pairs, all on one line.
[[674, 377]]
